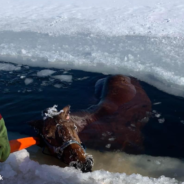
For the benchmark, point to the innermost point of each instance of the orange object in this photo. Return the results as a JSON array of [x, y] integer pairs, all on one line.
[[19, 144]]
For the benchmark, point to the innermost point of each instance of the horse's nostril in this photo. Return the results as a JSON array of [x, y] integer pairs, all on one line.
[[87, 167], [84, 167], [90, 160]]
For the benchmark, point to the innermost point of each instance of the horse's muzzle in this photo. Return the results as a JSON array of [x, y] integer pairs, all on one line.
[[84, 167]]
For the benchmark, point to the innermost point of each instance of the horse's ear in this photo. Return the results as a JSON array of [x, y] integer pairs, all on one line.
[[66, 110], [65, 113]]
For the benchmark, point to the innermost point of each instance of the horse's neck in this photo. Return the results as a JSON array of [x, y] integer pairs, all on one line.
[[82, 119]]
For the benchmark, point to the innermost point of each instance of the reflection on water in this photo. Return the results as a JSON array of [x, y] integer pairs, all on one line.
[[119, 162]]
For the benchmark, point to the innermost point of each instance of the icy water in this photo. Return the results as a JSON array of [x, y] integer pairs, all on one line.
[[26, 92]]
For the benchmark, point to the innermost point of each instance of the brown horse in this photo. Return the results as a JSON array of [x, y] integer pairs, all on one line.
[[60, 136], [115, 123]]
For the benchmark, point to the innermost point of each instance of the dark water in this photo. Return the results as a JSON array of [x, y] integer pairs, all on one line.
[[20, 103]]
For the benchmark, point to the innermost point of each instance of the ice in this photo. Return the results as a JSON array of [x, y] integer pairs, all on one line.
[[8, 67], [66, 78], [111, 139], [182, 121], [45, 73], [19, 167], [161, 120], [28, 81], [157, 103], [57, 85], [60, 17], [137, 38], [108, 146], [157, 115]]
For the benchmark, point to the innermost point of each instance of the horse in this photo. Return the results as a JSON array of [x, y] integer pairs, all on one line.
[[115, 123], [59, 134]]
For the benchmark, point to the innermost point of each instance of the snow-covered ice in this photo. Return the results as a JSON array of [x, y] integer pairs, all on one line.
[[138, 38], [19, 167]]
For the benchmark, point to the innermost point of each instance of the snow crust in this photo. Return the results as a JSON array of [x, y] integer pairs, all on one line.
[[19, 167], [137, 38]]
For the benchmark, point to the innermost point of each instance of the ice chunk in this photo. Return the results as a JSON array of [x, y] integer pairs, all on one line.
[[112, 138], [108, 146], [157, 103], [8, 67], [28, 81], [157, 115], [45, 73], [162, 120], [66, 78], [57, 85]]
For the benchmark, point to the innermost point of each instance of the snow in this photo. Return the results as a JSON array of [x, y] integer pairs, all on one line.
[[19, 167], [31, 166], [137, 38]]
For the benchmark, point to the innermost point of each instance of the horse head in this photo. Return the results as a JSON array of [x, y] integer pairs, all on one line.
[[61, 137]]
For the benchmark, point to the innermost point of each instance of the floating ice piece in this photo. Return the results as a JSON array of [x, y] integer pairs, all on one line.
[[45, 73], [157, 103], [27, 67], [112, 139], [109, 133], [9, 67], [144, 120], [108, 146], [57, 85], [28, 81], [104, 134], [157, 115], [83, 78], [44, 83], [66, 78], [162, 120], [182, 121]]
